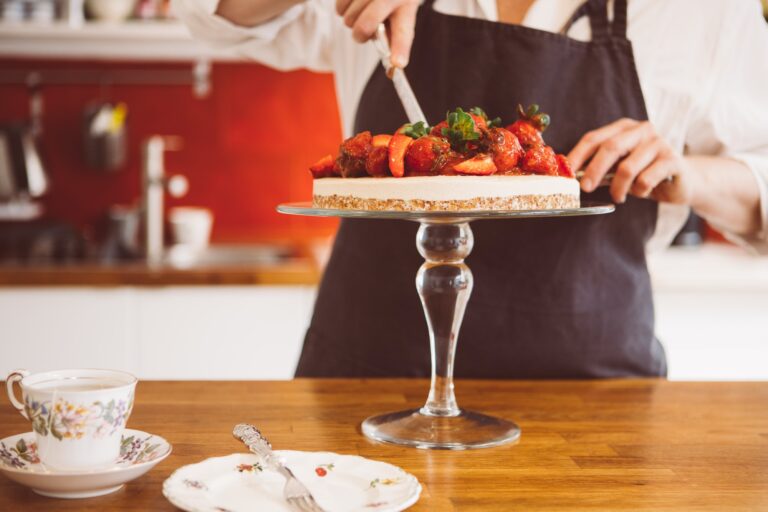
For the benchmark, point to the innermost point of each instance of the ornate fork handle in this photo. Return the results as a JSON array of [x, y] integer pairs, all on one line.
[[295, 492], [258, 444]]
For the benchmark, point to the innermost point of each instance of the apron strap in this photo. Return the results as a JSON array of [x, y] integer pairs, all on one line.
[[620, 19], [597, 11]]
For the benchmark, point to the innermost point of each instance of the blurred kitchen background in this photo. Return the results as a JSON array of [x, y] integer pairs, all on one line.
[[139, 174]]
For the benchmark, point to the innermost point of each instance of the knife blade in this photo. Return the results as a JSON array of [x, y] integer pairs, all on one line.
[[399, 80]]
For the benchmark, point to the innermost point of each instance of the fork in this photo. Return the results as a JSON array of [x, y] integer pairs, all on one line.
[[295, 493]]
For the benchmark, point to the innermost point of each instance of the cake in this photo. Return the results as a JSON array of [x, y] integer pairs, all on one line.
[[466, 162], [447, 193]]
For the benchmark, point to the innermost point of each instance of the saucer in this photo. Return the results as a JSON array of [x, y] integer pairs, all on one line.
[[139, 452], [339, 483]]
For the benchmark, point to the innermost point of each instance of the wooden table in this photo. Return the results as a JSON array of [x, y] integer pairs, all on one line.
[[641, 445]]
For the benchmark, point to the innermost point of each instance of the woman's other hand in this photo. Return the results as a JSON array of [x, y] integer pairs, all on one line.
[[363, 16], [646, 166]]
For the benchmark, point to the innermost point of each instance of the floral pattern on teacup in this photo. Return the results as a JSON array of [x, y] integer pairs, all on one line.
[[18, 456], [65, 420]]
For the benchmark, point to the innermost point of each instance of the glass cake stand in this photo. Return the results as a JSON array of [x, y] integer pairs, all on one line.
[[444, 283]]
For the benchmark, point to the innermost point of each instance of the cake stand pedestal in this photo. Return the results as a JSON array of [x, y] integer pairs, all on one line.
[[444, 283]]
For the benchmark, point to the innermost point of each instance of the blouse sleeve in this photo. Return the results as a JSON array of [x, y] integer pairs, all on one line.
[[300, 37], [733, 122]]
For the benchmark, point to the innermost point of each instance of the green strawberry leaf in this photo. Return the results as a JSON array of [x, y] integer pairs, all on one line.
[[478, 112], [415, 130], [460, 130], [492, 123], [541, 121]]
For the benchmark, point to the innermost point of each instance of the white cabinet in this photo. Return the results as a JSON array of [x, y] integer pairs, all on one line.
[[712, 312], [711, 308], [130, 40], [217, 332]]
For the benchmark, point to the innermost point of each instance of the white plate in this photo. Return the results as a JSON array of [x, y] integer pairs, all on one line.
[[139, 453], [339, 483]]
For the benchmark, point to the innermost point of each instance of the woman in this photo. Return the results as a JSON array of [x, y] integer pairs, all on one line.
[[554, 298]]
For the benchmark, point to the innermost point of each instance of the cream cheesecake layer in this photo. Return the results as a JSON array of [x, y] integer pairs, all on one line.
[[448, 193]]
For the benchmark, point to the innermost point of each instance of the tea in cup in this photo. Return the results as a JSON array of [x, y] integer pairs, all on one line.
[[78, 415]]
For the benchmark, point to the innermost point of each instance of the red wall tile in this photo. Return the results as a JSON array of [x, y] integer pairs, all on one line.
[[247, 145]]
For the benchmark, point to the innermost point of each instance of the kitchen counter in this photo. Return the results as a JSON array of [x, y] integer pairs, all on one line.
[[300, 271], [260, 264], [641, 445]]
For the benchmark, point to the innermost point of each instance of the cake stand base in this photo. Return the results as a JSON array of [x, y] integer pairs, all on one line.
[[444, 283], [464, 431]]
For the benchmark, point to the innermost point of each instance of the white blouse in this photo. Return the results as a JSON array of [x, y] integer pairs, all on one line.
[[703, 67]]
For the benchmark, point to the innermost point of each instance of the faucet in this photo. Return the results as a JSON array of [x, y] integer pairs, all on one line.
[[154, 185]]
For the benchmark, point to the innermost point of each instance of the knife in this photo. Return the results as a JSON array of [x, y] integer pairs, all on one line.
[[397, 75]]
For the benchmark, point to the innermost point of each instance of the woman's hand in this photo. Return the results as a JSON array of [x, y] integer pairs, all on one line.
[[363, 16], [647, 165]]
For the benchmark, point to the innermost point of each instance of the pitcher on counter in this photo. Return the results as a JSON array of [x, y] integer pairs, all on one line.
[[661, 89]]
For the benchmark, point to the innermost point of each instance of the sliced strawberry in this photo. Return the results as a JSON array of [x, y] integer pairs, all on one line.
[[377, 163], [323, 168], [422, 154], [381, 140], [397, 148], [540, 160], [479, 165], [505, 148], [564, 167]]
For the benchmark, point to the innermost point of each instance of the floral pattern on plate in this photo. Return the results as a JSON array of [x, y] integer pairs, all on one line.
[[20, 454], [19, 462], [135, 448], [65, 420], [340, 483]]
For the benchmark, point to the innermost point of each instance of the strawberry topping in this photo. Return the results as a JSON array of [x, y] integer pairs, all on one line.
[[479, 165], [381, 140], [423, 153], [465, 143], [397, 148], [505, 148], [377, 163], [564, 167], [323, 168], [353, 154], [540, 160]]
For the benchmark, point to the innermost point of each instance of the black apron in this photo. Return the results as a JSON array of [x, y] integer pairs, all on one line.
[[553, 298]]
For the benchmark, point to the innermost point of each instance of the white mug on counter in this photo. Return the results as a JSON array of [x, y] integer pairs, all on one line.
[[78, 415], [191, 226]]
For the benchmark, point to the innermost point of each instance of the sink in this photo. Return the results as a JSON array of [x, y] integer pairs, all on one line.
[[228, 255]]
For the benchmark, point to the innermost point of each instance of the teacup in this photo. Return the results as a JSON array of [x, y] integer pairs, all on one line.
[[78, 415]]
